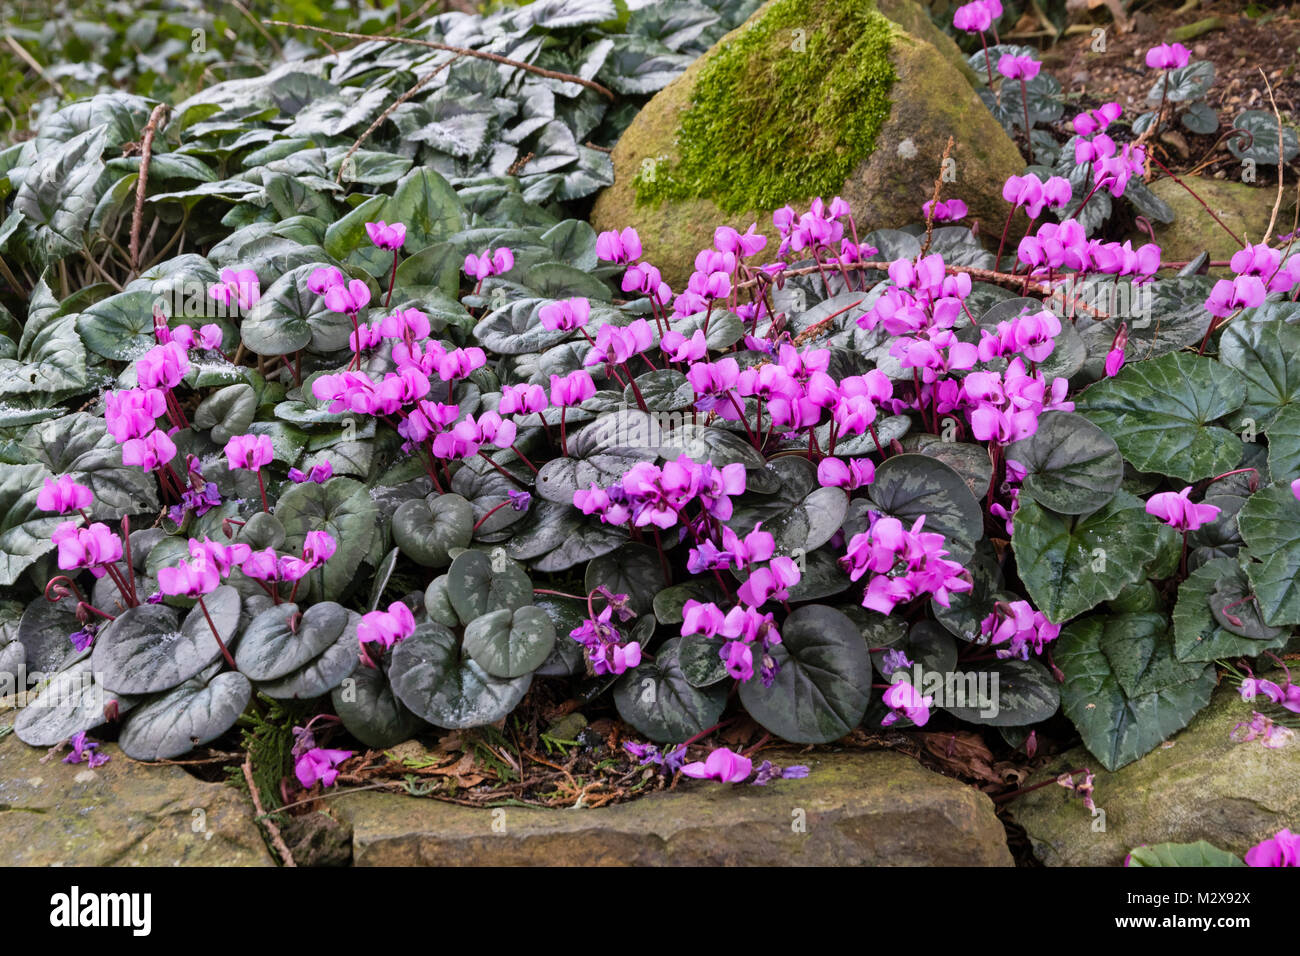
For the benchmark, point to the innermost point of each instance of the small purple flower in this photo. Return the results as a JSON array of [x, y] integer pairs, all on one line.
[[83, 750], [82, 639], [519, 500], [318, 764]]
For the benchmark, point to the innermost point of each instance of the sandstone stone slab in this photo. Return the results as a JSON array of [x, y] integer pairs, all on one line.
[[854, 808], [1198, 786], [1243, 208], [119, 814]]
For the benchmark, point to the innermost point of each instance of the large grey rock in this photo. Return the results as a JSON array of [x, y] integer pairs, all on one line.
[[1198, 786], [122, 813], [853, 809]]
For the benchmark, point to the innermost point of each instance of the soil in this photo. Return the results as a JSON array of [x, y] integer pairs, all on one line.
[[1248, 37]]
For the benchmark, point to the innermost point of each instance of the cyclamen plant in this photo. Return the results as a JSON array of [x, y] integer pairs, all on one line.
[[846, 474]]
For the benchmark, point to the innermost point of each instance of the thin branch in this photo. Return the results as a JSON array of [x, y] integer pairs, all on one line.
[[388, 112], [35, 65], [463, 51], [142, 183], [1281, 165], [276, 840]]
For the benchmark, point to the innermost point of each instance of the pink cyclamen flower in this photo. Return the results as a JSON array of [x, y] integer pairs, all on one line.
[[1295, 488], [317, 765], [149, 452], [324, 278], [722, 764], [352, 296], [241, 287], [190, 578], [90, 547], [387, 627], [1282, 849], [945, 211], [621, 247], [1229, 295], [385, 236], [133, 413], [62, 495], [904, 700], [976, 17], [1175, 510], [1168, 56], [489, 263], [565, 314], [572, 389], [319, 474], [1018, 67], [163, 366], [249, 451]]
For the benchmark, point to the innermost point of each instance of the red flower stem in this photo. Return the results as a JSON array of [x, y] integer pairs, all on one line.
[[261, 486], [392, 281], [478, 524], [221, 644], [524, 458]]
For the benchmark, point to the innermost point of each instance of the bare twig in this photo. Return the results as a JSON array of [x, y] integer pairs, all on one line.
[[142, 184], [275, 44], [388, 112], [463, 51], [276, 840], [1281, 165], [35, 65], [938, 188]]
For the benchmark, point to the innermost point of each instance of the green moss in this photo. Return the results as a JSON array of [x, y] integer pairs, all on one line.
[[777, 114]]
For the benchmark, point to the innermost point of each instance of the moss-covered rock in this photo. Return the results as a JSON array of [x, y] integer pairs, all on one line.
[[806, 98], [854, 808], [1198, 786], [1243, 208], [122, 813]]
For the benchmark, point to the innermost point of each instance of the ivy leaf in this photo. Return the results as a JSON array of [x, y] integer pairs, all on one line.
[[657, 699], [1124, 689], [1071, 563], [1160, 411], [434, 679], [822, 686], [1073, 466]]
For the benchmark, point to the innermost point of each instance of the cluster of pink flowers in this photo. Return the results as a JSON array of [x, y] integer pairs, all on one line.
[[903, 563], [978, 16], [385, 628], [1065, 246], [603, 644], [1018, 626], [1259, 270], [652, 495], [238, 286]]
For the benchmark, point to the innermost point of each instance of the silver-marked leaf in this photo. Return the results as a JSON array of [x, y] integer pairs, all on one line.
[[72, 702], [1270, 523], [910, 485], [1160, 413], [432, 676], [190, 716], [822, 686], [275, 643], [370, 711], [510, 644], [657, 699], [477, 584], [1073, 466], [428, 529]]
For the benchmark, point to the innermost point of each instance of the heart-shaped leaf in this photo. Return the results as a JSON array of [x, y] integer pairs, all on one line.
[[72, 702], [1200, 633], [1018, 693], [342, 507], [321, 674], [823, 681], [428, 529], [370, 711], [1072, 563], [281, 639], [1124, 689], [1073, 467], [190, 716], [145, 650], [1270, 523], [1199, 854], [1263, 353], [1160, 412], [634, 570], [508, 643], [227, 412], [436, 681], [909, 486], [477, 584], [657, 699]]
